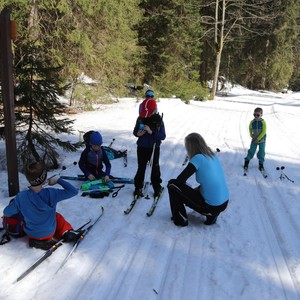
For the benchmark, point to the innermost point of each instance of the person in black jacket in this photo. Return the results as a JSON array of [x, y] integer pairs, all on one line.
[[150, 130]]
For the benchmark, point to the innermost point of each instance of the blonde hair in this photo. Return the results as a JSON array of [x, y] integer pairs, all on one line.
[[195, 144]]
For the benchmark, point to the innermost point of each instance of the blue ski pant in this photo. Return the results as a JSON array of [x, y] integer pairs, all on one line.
[[260, 154]]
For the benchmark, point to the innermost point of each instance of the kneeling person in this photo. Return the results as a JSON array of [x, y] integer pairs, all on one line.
[[211, 197]]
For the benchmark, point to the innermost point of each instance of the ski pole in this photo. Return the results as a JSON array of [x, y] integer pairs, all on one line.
[[283, 175], [111, 143], [148, 173], [63, 169]]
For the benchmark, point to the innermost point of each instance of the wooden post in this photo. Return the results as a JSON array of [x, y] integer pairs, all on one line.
[[6, 62]]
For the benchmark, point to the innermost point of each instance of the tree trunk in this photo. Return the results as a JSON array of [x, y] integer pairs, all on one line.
[[219, 47]]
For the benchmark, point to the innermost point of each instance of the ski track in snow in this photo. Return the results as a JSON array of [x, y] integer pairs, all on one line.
[[251, 253]]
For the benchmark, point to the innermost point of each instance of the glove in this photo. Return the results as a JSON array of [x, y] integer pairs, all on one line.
[[172, 181]]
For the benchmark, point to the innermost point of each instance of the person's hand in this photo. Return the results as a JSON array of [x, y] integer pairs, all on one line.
[[91, 177], [106, 178], [52, 180], [147, 128]]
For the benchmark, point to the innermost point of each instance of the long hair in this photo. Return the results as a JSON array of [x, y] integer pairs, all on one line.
[[195, 144]]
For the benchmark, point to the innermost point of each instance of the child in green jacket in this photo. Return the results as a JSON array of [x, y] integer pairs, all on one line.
[[257, 130]]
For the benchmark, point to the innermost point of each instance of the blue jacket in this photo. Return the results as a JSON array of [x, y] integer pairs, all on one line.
[[91, 162], [158, 131], [210, 175], [39, 209]]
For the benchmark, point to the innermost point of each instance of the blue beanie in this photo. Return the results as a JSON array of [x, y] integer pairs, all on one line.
[[96, 138]]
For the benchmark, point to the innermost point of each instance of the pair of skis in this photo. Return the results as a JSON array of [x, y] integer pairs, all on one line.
[[80, 177], [152, 208], [263, 172], [50, 251]]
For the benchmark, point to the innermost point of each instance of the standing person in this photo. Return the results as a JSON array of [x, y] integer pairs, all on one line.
[[92, 159], [150, 131], [38, 206], [211, 197], [258, 134]]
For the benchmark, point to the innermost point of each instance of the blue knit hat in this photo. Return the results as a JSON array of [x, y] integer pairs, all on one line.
[[96, 138]]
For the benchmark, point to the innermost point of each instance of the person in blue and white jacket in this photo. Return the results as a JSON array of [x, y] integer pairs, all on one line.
[[211, 197], [42, 224]]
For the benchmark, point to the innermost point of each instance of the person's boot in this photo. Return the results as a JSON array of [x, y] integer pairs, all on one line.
[[41, 244], [246, 164], [71, 235], [138, 192], [261, 167], [210, 220]]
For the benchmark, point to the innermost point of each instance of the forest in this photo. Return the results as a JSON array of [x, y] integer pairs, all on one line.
[[179, 47], [182, 48]]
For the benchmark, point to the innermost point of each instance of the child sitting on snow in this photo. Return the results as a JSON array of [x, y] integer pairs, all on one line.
[[38, 206], [93, 157]]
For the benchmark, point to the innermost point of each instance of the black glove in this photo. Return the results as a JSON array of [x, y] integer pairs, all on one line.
[[172, 181]]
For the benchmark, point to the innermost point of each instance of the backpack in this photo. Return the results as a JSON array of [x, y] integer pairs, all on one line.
[[110, 152], [13, 226]]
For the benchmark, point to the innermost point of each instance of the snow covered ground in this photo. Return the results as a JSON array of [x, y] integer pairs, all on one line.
[[253, 252]]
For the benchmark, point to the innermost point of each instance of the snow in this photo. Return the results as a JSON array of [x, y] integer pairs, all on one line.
[[253, 252]]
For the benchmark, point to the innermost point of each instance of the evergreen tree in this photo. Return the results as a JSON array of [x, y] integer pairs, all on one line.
[[170, 33], [38, 109]]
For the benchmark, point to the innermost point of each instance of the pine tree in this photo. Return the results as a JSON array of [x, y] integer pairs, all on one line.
[[38, 109]]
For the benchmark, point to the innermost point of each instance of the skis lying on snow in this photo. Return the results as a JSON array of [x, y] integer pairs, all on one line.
[[114, 179], [152, 208], [57, 245]]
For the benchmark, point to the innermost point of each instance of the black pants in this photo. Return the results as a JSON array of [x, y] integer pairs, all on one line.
[[182, 194], [143, 156]]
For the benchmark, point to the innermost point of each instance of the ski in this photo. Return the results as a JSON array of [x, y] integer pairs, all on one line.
[[132, 204], [48, 253], [114, 179], [263, 173], [79, 240], [154, 204]]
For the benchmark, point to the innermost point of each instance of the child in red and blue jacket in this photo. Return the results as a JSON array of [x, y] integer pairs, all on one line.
[[150, 130]]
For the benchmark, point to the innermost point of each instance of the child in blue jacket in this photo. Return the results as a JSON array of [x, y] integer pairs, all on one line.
[[38, 206], [92, 159], [150, 130], [258, 134]]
